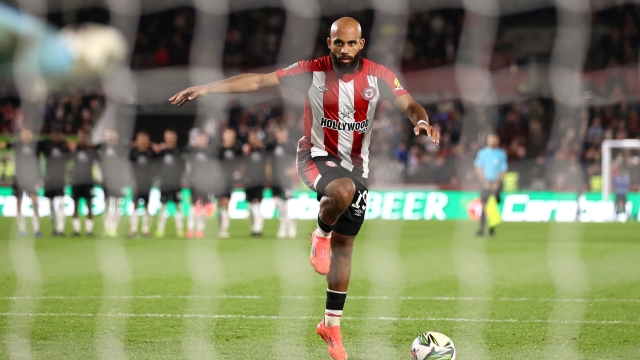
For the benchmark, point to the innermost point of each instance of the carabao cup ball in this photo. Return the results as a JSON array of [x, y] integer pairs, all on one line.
[[433, 346]]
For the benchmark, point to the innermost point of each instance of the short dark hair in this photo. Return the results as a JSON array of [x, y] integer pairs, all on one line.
[[172, 129], [142, 132]]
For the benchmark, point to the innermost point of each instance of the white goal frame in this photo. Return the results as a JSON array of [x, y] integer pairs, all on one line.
[[607, 146]]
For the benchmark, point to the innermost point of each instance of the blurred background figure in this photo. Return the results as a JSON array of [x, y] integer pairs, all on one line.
[[27, 179], [283, 168], [206, 180], [255, 162], [82, 183], [230, 155], [142, 162], [621, 181], [172, 167], [56, 154], [116, 177], [491, 165]]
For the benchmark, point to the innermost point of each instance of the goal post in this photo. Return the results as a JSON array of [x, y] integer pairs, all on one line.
[[607, 147]]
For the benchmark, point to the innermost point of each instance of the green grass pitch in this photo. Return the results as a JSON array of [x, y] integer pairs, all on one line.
[[535, 291]]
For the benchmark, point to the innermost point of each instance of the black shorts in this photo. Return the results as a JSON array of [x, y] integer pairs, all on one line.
[[142, 194], [170, 195], [53, 193], [318, 172], [486, 193], [30, 189], [114, 192], [254, 193], [82, 191], [283, 193], [200, 196], [228, 189]]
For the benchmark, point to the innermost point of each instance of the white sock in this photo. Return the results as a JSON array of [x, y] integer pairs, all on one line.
[[88, 225], [202, 220], [53, 214], [76, 225], [283, 213], [146, 222], [35, 221], [252, 218], [332, 317], [116, 216], [179, 220], [191, 219], [323, 234], [258, 221], [162, 219], [22, 226], [107, 216], [223, 218], [60, 215], [133, 221]]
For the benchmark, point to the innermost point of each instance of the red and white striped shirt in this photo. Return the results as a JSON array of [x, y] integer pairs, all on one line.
[[338, 112]]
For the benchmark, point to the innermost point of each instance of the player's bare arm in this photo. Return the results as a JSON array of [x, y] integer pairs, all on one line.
[[235, 85], [418, 117]]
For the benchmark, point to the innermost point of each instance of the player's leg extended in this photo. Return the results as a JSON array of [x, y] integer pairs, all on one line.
[[337, 196]]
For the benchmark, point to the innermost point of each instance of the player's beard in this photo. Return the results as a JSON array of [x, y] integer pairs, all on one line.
[[349, 68]]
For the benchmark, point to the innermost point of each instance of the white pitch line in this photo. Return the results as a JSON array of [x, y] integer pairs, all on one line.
[[278, 317], [302, 297]]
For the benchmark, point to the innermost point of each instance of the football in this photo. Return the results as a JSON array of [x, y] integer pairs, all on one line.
[[431, 346]]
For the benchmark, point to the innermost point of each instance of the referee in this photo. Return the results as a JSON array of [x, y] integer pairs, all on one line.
[[490, 164]]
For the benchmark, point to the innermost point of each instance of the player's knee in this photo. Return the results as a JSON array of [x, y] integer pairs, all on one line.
[[343, 194]]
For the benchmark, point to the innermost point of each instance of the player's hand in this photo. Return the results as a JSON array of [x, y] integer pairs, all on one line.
[[428, 130], [189, 94]]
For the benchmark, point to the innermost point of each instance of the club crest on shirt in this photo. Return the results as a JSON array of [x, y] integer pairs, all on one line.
[[369, 93]]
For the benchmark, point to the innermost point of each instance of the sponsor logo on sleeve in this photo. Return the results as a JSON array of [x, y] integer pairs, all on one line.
[[331, 164], [397, 84]]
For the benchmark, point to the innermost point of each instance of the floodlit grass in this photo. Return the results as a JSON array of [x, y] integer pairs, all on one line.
[[535, 291]]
